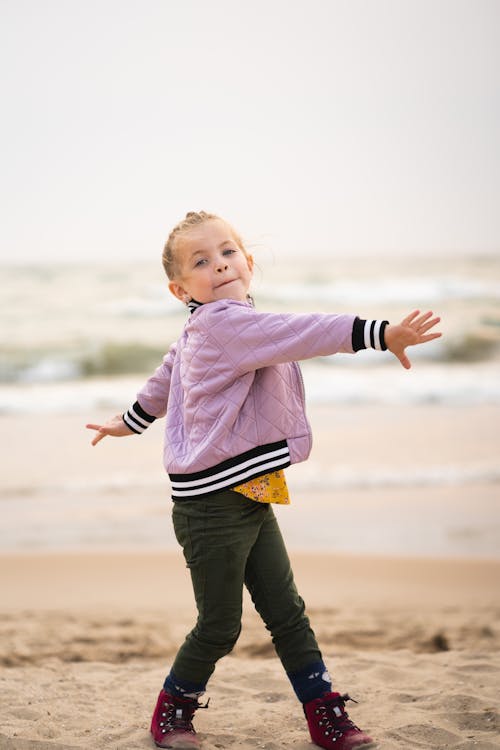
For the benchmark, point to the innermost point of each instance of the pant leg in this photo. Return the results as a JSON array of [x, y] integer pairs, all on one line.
[[269, 579], [216, 534]]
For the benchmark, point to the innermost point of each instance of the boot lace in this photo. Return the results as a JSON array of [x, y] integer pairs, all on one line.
[[179, 716], [334, 719]]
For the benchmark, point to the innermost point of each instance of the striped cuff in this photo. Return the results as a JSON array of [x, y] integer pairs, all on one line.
[[137, 419], [369, 334]]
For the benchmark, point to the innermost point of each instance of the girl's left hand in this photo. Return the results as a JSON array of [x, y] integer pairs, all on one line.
[[411, 331]]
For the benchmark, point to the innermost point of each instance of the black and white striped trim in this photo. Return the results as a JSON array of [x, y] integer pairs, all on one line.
[[193, 305], [369, 334], [249, 465], [137, 419]]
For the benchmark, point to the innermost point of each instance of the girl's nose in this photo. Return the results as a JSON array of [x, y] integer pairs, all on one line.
[[221, 266]]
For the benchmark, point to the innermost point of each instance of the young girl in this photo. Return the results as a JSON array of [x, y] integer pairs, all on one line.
[[233, 399]]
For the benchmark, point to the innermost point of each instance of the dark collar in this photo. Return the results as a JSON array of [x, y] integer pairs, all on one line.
[[193, 304]]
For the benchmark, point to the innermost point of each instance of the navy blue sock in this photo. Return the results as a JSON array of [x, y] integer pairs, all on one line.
[[311, 682], [182, 688]]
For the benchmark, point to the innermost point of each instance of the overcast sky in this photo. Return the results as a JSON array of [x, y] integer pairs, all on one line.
[[323, 127]]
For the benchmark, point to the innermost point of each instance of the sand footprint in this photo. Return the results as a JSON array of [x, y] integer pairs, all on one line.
[[425, 736]]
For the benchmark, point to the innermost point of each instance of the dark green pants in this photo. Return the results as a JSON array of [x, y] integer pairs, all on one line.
[[230, 541]]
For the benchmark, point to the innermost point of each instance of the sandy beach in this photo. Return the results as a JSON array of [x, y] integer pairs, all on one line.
[[352, 151], [87, 639], [419, 480], [95, 597]]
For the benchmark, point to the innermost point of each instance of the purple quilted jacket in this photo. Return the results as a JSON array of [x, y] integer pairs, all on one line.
[[233, 395]]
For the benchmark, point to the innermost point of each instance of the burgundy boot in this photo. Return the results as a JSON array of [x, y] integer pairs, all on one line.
[[330, 726], [171, 725]]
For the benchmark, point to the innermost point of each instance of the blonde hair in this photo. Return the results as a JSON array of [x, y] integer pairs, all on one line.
[[191, 220]]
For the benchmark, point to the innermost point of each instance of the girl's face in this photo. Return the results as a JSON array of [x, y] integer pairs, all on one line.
[[211, 264]]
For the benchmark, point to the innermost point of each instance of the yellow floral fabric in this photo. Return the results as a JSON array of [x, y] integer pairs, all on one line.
[[270, 488]]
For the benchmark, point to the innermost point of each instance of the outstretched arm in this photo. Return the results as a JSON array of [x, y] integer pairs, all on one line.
[[411, 331], [154, 395], [115, 426]]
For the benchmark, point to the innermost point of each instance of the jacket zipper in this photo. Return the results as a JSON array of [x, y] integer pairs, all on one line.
[[301, 382]]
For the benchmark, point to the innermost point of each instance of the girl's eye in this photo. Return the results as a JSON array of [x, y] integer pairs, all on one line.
[[228, 251], [199, 262]]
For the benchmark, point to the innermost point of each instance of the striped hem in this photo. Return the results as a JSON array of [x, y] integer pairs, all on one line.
[[369, 334], [137, 419], [232, 472]]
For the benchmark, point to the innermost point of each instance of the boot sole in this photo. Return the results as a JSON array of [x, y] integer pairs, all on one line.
[[181, 745], [181, 742]]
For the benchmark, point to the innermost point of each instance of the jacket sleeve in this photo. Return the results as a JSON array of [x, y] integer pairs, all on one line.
[[152, 398], [251, 340]]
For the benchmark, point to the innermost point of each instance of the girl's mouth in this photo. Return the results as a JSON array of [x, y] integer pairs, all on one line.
[[229, 281]]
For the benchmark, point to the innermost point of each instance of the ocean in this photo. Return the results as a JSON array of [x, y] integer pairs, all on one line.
[[72, 337], [78, 341]]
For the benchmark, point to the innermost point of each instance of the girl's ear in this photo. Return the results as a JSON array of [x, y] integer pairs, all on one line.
[[250, 262], [179, 292]]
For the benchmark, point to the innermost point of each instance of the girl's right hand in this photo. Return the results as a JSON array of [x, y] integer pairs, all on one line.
[[115, 426]]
